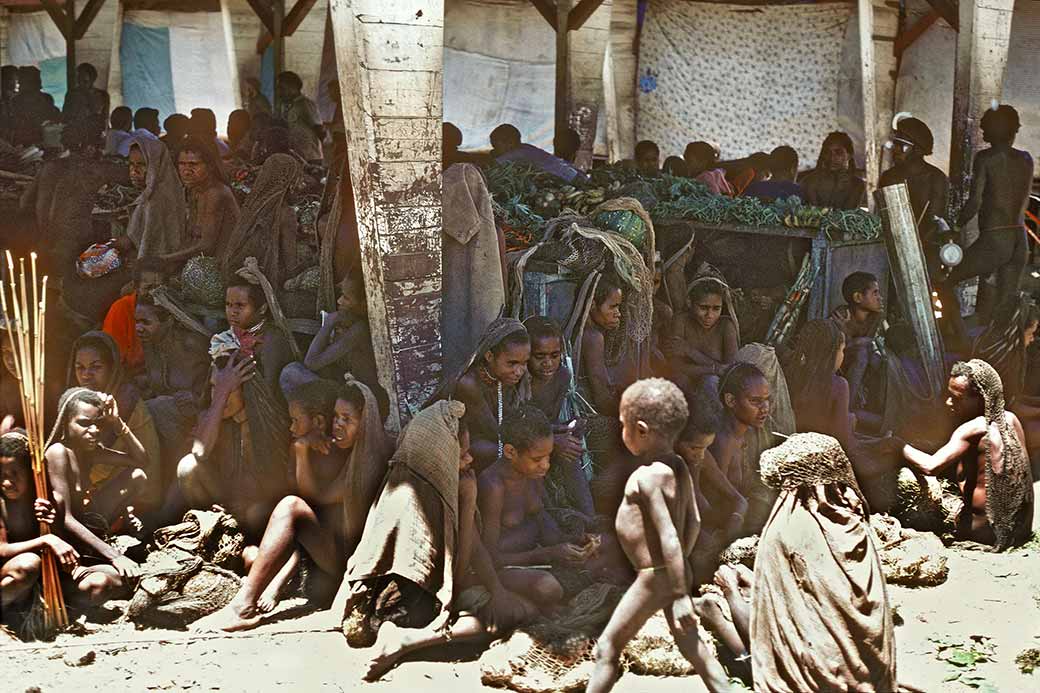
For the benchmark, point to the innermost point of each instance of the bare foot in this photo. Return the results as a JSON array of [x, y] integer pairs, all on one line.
[[231, 618], [388, 651], [726, 578], [268, 600], [709, 608], [745, 578]]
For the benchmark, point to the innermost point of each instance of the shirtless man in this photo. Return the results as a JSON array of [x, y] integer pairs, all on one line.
[[987, 448], [517, 529], [604, 317], [1001, 178], [212, 209], [657, 526]]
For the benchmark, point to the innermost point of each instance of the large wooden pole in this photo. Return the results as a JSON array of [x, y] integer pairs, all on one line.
[[982, 49], [563, 66], [278, 43], [390, 59], [70, 45], [865, 17]]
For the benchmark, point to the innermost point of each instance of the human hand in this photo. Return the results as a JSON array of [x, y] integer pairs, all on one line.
[[123, 244], [67, 556], [508, 609], [110, 411], [235, 372], [683, 614], [126, 567], [318, 441], [567, 446], [567, 553], [44, 511]]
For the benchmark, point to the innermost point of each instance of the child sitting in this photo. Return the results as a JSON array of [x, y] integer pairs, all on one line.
[[550, 385], [744, 395], [604, 317], [704, 341], [518, 531], [819, 395], [337, 477], [342, 345], [859, 319], [657, 526], [21, 544], [73, 447]]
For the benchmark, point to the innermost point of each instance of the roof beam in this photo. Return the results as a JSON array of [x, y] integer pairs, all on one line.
[[581, 12], [292, 22], [547, 9], [87, 17], [57, 15], [907, 38], [264, 14], [948, 10]]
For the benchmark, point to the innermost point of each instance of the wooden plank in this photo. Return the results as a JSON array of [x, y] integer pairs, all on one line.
[[547, 10], [865, 17], [905, 39], [278, 41], [563, 68], [70, 44], [581, 13], [293, 20], [263, 13], [948, 10], [57, 14], [87, 17]]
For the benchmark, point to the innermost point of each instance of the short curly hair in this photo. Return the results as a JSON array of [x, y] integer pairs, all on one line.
[[657, 402]]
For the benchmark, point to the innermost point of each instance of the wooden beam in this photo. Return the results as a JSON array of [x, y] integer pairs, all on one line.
[[905, 39], [263, 13], [70, 45], [581, 13], [292, 22], [947, 9], [563, 68], [57, 14], [87, 17], [278, 37], [865, 17], [547, 10]]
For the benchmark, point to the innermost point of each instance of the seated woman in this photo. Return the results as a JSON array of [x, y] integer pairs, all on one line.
[[550, 386], [820, 396], [212, 209], [342, 345], [157, 224], [72, 449], [517, 530], [705, 340], [744, 394], [338, 470], [172, 381], [95, 364], [594, 381], [493, 383], [421, 575], [266, 226]]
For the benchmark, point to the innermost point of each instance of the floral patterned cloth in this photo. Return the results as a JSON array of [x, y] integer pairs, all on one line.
[[723, 74]]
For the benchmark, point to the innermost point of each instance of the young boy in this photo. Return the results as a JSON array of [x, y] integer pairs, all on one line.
[[657, 526], [21, 544], [517, 530], [859, 319], [73, 448], [550, 384]]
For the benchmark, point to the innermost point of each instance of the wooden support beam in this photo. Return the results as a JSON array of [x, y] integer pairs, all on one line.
[[865, 18], [87, 17], [278, 39], [547, 10], [70, 44], [905, 39], [563, 68], [263, 13], [390, 64], [948, 10], [292, 22], [57, 14], [581, 13], [982, 51]]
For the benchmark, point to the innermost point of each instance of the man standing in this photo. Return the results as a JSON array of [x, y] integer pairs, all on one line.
[[85, 100], [988, 450], [305, 129], [1001, 177]]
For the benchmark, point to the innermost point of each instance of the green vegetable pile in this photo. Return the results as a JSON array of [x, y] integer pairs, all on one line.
[[524, 198]]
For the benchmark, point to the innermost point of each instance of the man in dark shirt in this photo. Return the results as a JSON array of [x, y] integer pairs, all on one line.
[[783, 163], [85, 100]]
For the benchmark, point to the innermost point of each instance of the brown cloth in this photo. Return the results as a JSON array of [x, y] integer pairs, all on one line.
[[820, 618], [413, 527], [157, 225], [365, 467], [474, 289]]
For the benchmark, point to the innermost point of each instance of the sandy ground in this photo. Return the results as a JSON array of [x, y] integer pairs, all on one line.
[[995, 595], [303, 654]]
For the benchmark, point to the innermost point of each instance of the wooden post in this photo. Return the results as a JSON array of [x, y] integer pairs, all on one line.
[[70, 45], [563, 66], [278, 46], [622, 68], [390, 61], [865, 15], [982, 50]]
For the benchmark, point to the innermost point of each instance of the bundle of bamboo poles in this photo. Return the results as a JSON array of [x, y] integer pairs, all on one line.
[[26, 331]]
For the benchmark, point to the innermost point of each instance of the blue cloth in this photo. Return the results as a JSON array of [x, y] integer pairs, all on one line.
[[123, 148], [539, 158], [769, 190], [144, 53]]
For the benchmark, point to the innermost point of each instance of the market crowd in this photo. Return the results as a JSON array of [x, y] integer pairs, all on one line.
[[211, 347]]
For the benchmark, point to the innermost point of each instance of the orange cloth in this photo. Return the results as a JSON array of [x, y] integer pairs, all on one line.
[[121, 325]]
